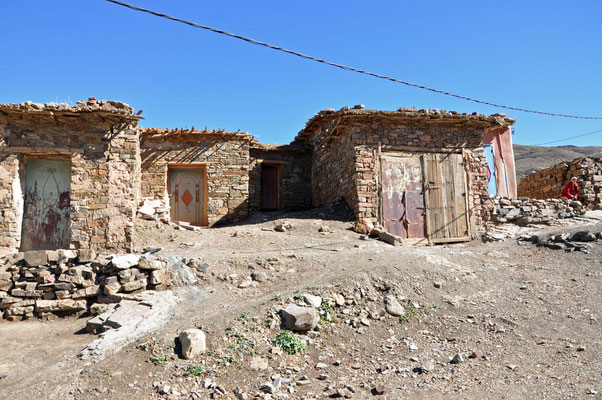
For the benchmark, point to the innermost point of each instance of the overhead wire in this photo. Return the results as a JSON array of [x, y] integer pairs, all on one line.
[[345, 67], [569, 138]]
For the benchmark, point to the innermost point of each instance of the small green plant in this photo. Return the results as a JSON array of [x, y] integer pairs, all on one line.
[[244, 317], [268, 322], [299, 295], [160, 359], [197, 370], [289, 342], [278, 297], [327, 309], [252, 328], [226, 359], [211, 353], [313, 288], [411, 312]]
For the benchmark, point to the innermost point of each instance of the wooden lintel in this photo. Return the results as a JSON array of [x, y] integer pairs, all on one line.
[[183, 165], [417, 149], [273, 162], [41, 150]]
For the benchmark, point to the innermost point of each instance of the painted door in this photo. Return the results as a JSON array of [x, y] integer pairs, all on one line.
[[402, 196], [269, 187], [445, 197], [187, 195], [46, 207]]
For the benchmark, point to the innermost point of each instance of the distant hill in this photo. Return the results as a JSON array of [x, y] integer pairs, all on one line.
[[534, 158]]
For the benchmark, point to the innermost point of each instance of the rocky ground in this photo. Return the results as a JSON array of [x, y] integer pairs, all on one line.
[[511, 319]]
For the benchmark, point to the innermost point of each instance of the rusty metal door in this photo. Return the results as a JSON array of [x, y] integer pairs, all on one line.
[[269, 187], [187, 195], [447, 216], [402, 195], [46, 208]]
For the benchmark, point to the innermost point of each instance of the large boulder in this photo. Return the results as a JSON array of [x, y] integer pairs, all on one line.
[[298, 318], [193, 343], [393, 307]]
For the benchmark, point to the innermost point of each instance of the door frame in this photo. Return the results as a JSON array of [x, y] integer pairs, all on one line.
[[199, 167]]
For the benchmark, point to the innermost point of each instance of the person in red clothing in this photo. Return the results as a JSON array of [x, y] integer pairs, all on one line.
[[571, 189]]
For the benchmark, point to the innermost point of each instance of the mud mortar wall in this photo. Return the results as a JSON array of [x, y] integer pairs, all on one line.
[[295, 176], [104, 180], [548, 183], [227, 165]]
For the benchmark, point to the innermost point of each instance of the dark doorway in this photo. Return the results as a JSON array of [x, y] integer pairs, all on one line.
[[269, 187]]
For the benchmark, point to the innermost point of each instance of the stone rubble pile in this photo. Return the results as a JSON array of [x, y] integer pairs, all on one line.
[[548, 183], [577, 241], [62, 282], [525, 211], [154, 210], [86, 106]]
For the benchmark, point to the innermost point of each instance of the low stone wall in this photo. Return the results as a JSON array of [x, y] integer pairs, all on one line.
[[525, 211], [62, 282], [548, 183]]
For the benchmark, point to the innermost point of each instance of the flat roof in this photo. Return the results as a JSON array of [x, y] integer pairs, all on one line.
[[410, 114]]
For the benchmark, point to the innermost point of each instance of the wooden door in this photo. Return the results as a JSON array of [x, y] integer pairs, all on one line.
[[46, 208], [402, 196], [446, 198], [187, 195], [269, 187]]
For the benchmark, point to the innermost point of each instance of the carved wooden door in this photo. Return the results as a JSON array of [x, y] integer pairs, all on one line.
[[187, 195]]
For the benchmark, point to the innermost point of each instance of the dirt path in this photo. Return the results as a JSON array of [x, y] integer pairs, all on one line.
[[533, 313]]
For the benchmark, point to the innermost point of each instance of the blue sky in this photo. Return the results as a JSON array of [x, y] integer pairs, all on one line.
[[544, 55]]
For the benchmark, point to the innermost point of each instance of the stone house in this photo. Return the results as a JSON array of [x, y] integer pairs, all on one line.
[[76, 176], [421, 174], [201, 176], [68, 175]]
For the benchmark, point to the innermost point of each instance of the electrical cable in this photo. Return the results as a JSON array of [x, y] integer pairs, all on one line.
[[568, 138], [345, 67]]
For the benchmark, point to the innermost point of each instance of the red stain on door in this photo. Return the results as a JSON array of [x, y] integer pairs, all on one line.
[[46, 208]]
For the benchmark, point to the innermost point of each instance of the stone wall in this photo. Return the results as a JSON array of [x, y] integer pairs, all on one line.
[[333, 168], [479, 200], [294, 163], [224, 155], [63, 282], [526, 211], [548, 183], [100, 139]]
